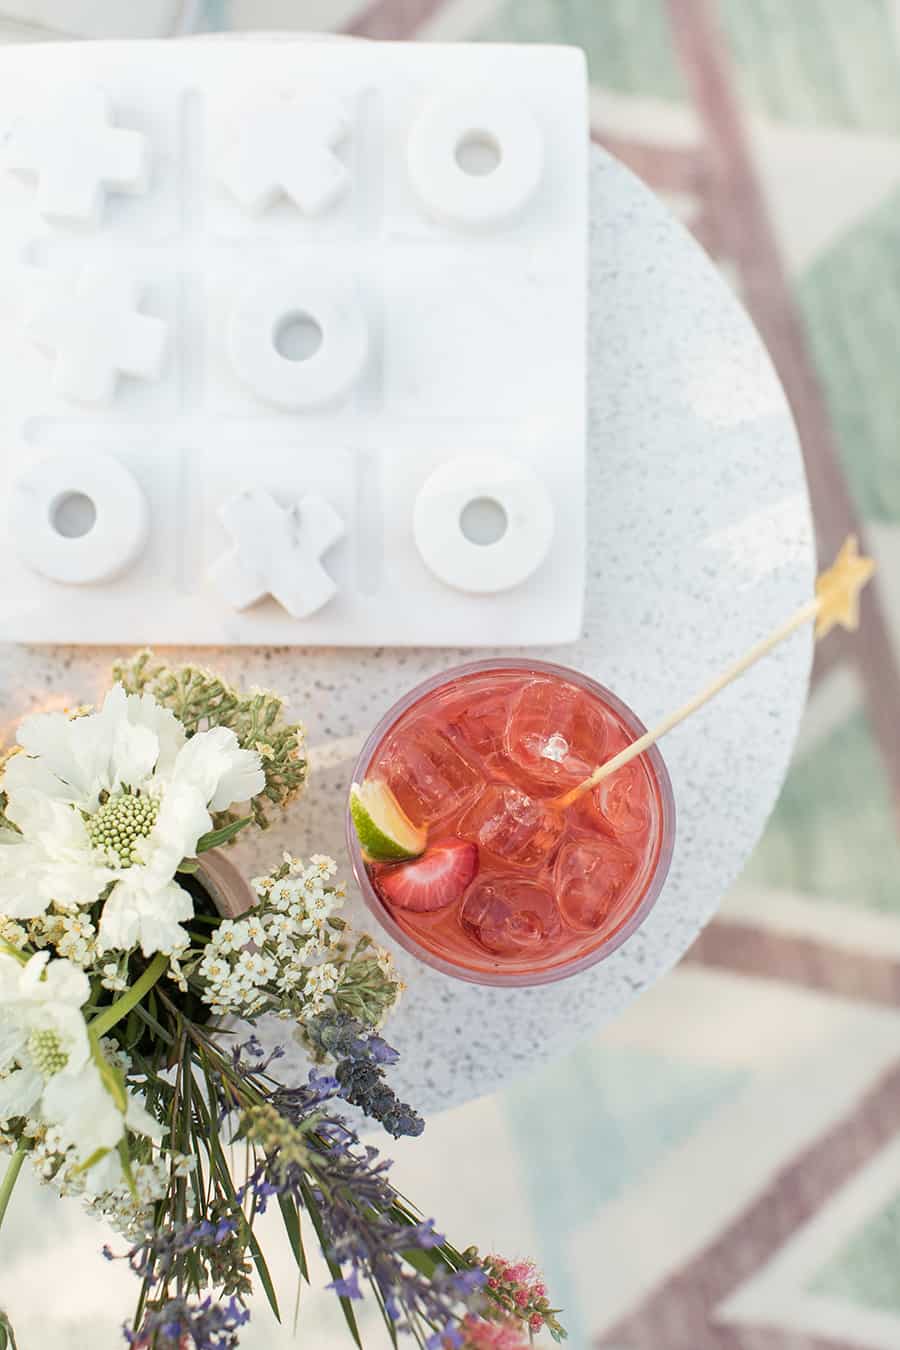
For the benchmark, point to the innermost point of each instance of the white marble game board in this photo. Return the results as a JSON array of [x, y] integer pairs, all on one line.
[[272, 317]]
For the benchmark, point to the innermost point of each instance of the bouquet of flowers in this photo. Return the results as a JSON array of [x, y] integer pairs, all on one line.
[[128, 975]]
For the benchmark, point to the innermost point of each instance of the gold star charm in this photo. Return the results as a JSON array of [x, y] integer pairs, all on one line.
[[837, 589]]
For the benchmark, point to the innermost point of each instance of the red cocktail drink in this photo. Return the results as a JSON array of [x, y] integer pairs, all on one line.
[[512, 889]]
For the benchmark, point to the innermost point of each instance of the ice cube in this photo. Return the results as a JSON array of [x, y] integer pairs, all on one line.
[[556, 733], [513, 826], [477, 719], [593, 880], [510, 916], [624, 799], [426, 772]]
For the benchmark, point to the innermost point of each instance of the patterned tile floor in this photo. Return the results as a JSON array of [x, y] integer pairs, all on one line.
[[721, 1169]]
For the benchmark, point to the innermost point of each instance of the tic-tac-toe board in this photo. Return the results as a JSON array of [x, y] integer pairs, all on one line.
[[293, 341]]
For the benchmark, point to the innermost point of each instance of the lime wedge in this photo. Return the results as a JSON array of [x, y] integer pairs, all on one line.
[[385, 832]]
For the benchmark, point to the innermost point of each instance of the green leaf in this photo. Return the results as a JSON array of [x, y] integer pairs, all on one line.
[[215, 838], [90, 1162], [220, 1163], [134, 994], [7, 1335], [403, 1211], [113, 1079], [125, 1163], [141, 1303], [424, 1262], [336, 1273], [294, 1232], [144, 1015], [265, 1278], [388, 1320]]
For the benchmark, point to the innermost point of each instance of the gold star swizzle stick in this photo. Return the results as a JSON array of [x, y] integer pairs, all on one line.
[[836, 602]]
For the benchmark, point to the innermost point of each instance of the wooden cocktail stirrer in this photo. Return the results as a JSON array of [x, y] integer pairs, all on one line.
[[836, 602]]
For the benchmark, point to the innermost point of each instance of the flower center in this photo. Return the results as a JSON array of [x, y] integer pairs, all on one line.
[[47, 1053], [115, 829]]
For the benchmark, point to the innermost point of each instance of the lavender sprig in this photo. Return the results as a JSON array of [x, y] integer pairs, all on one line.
[[317, 1161], [360, 1057], [155, 1256], [203, 1326], [309, 1158]]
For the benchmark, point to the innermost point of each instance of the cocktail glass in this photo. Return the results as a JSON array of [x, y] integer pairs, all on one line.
[[479, 756]]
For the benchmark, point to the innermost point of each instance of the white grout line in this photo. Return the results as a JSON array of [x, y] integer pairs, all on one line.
[[846, 925], [654, 120]]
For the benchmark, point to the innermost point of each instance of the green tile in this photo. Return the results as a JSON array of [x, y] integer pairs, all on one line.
[[628, 43], [865, 1271], [850, 300], [810, 62], [832, 832], [589, 1126], [818, 62], [214, 16]]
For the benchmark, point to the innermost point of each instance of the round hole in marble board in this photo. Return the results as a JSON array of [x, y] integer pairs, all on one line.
[[73, 515], [483, 521], [479, 154], [297, 336]]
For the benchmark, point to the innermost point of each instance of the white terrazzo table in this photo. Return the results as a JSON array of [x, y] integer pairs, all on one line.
[[700, 541]]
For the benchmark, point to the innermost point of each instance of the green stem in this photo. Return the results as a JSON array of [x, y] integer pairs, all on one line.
[[10, 950], [112, 1015], [10, 1178]]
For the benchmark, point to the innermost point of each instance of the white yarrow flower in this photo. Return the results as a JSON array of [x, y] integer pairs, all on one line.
[[115, 801]]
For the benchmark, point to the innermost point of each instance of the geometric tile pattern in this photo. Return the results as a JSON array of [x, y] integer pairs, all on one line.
[[833, 834], [853, 346]]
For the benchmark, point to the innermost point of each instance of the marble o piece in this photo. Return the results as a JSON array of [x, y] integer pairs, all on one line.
[[76, 154], [277, 551], [113, 511], [525, 531], [95, 332], [256, 332], [286, 147], [475, 158]]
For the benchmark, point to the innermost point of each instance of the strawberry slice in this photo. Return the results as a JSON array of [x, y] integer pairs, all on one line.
[[438, 879]]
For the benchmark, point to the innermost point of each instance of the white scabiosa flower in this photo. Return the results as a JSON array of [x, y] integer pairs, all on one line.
[[109, 805], [44, 1043], [48, 1072]]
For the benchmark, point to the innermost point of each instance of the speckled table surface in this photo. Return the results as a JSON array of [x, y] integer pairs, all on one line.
[[700, 541]]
